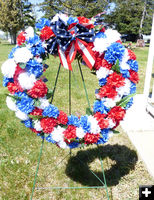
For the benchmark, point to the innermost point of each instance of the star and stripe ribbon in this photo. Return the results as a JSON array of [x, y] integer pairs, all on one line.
[[67, 42]]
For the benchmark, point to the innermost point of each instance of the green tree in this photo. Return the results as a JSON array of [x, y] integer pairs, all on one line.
[[74, 7], [131, 17], [14, 16]]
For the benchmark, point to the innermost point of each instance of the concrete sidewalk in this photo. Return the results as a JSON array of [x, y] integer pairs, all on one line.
[[139, 126]]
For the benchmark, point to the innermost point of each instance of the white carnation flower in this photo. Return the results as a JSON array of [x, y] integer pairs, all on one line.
[[57, 134], [112, 35], [124, 90], [94, 127], [111, 123], [102, 72], [29, 32], [62, 145], [125, 58], [37, 125], [21, 115], [110, 134], [22, 55], [26, 81], [11, 104], [100, 45], [38, 59], [108, 102], [8, 68], [43, 103], [80, 132]]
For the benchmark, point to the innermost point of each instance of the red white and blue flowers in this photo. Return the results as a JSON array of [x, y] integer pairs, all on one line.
[[101, 50]]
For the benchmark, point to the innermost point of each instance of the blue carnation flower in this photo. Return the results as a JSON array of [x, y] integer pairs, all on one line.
[[102, 81], [105, 136], [132, 88], [100, 35], [73, 120], [33, 67], [85, 124], [100, 107], [12, 52], [37, 50], [51, 111], [34, 40], [50, 139], [125, 73], [36, 45], [42, 22], [73, 145], [6, 81], [25, 104], [72, 20], [28, 123], [129, 104], [114, 51], [133, 65], [21, 94]]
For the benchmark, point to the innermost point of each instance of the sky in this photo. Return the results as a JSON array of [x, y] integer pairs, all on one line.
[[39, 14]]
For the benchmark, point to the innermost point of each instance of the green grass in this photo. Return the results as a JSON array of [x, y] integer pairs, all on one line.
[[19, 148]]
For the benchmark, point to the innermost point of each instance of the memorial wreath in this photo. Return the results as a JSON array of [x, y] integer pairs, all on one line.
[[101, 50]]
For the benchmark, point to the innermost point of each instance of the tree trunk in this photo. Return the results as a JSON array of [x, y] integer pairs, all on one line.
[[142, 19], [13, 37]]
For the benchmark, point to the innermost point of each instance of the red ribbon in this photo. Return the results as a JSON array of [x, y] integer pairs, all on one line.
[[67, 57]]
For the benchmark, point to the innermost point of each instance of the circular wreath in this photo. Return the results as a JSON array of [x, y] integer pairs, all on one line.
[[101, 50]]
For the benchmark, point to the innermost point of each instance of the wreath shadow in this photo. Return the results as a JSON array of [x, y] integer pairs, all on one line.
[[124, 160]]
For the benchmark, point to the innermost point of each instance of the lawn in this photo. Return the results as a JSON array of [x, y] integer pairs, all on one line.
[[19, 148]]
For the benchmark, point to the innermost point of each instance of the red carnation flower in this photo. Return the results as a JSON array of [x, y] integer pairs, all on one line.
[[134, 76], [117, 113], [102, 30], [18, 71], [62, 118], [12, 87], [98, 62], [83, 20], [116, 80], [46, 33], [98, 115], [38, 90], [107, 91], [21, 38], [102, 121], [91, 138], [119, 41], [90, 26], [48, 124], [69, 133], [131, 54], [36, 112], [106, 64]]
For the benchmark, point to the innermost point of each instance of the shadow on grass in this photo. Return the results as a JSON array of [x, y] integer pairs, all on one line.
[[124, 160]]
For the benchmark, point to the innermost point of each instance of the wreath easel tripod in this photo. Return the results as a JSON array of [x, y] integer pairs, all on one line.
[[103, 182]]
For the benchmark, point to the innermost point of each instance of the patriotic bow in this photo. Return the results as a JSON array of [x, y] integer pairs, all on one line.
[[67, 42]]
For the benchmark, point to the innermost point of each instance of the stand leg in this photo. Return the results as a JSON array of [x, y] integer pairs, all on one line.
[[104, 178], [38, 163]]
